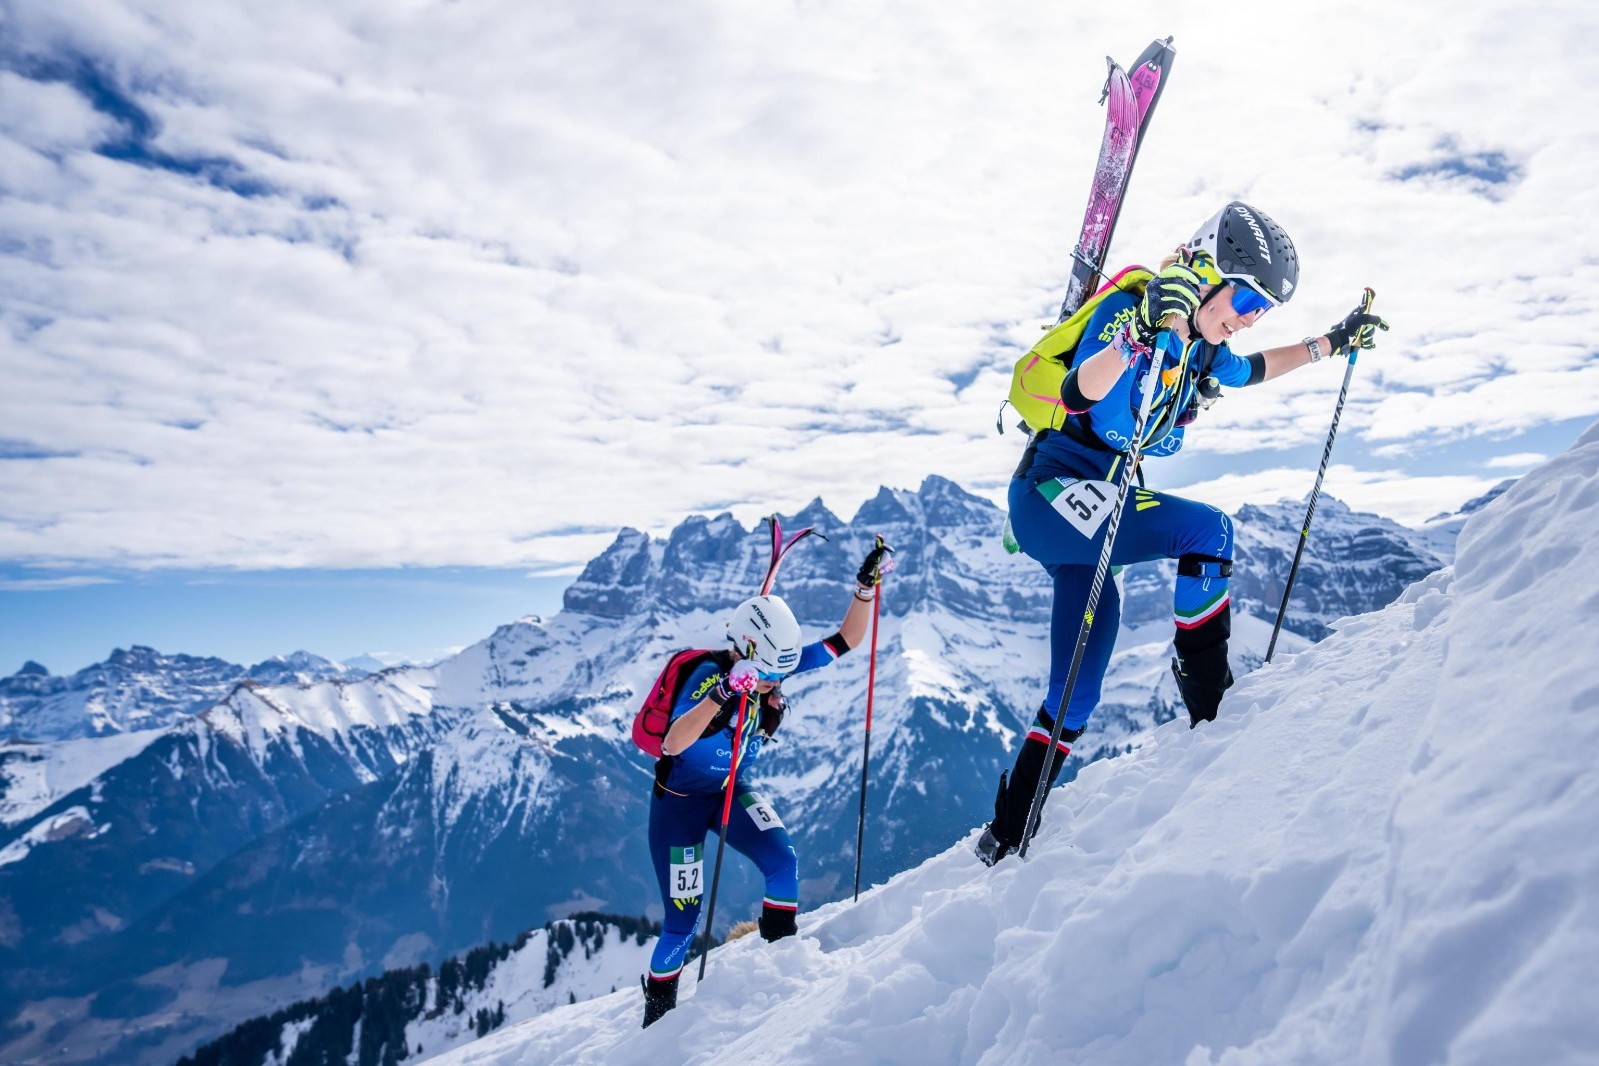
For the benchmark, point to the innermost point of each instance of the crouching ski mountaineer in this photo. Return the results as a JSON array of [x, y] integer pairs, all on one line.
[[691, 777]]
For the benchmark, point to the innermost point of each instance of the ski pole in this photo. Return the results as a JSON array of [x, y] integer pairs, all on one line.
[[1167, 343], [1310, 511], [866, 750], [721, 831]]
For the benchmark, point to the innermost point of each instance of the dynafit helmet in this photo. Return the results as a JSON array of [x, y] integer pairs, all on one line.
[[1246, 244], [766, 631]]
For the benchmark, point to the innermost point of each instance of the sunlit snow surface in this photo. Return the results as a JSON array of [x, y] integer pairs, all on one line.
[[33, 776], [1384, 851]]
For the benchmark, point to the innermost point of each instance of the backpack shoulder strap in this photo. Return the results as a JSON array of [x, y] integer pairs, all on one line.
[[685, 663]]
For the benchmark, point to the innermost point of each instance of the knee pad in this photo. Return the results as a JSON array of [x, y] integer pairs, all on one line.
[[1204, 566]]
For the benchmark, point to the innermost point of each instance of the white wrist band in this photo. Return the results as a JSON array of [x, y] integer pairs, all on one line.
[[1316, 354]]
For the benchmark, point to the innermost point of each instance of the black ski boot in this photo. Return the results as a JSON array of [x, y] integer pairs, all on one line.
[[777, 923], [1200, 666], [990, 848], [659, 997], [1014, 799]]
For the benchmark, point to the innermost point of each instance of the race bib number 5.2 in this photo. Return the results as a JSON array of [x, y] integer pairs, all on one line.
[[1085, 504], [687, 873]]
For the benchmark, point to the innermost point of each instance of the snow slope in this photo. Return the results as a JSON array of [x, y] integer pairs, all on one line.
[[33, 776], [1382, 852]]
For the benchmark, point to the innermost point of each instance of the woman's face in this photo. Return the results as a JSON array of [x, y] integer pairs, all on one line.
[[762, 685], [1216, 319]]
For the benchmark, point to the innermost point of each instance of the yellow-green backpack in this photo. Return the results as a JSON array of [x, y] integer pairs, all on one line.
[[1036, 381]]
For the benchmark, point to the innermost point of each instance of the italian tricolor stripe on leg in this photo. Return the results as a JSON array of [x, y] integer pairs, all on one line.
[[1204, 613], [1040, 734], [780, 904]]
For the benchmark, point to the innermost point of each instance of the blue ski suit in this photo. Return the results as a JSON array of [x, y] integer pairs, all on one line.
[[1046, 495], [687, 805]]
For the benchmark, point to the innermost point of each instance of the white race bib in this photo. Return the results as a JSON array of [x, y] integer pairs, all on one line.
[[1085, 504], [687, 873], [760, 812]]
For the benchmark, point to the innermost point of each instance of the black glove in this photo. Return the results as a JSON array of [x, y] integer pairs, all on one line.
[[1174, 291], [872, 569], [772, 707], [1357, 330]]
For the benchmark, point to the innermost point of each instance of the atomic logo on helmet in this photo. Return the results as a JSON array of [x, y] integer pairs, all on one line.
[[764, 629]]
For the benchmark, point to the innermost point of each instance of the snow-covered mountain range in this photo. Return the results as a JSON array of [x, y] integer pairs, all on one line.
[[139, 688], [161, 884], [1382, 852]]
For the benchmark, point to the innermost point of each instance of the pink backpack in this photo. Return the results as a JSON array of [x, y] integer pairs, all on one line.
[[653, 719]]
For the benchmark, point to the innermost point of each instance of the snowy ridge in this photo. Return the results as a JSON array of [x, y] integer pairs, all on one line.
[[33, 776], [1382, 851], [138, 689], [1441, 532], [258, 716], [486, 759]]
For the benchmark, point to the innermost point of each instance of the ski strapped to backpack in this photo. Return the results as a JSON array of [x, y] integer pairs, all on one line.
[[1129, 100], [780, 548], [1037, 378]]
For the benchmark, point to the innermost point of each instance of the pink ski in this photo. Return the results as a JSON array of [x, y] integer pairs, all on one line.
[[780, 548], [1129, 105]]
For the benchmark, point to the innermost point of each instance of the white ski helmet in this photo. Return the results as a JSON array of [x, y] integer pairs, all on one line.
[[765, 625]]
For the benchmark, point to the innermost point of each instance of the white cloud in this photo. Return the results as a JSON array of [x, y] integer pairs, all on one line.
[[46, 117], [504, 271], [51, 584], [1520, 460]]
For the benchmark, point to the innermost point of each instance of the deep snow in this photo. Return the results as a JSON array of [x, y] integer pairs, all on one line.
[[1383, 851]]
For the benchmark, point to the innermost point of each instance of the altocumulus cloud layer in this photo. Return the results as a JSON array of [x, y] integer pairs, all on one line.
[[351, 284]]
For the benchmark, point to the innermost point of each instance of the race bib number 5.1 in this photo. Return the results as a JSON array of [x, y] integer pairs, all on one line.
[[1085, 504], [687, 873], [760, 812]]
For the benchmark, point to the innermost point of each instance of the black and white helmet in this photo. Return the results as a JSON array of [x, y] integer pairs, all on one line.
[[1246, 244], [765, 630]]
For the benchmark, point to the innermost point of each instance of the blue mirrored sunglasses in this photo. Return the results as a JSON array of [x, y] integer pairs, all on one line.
[[770, 675], [1246, 298]]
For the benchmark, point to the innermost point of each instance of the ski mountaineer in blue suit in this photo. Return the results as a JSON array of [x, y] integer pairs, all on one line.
[[691, 778], [1238, 267]]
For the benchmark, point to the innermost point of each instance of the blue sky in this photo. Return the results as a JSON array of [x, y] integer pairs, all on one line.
[[298, 291], [414, 615]]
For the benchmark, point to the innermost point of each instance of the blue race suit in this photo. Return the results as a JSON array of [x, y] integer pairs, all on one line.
[[688, 804], [1153, 525]]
